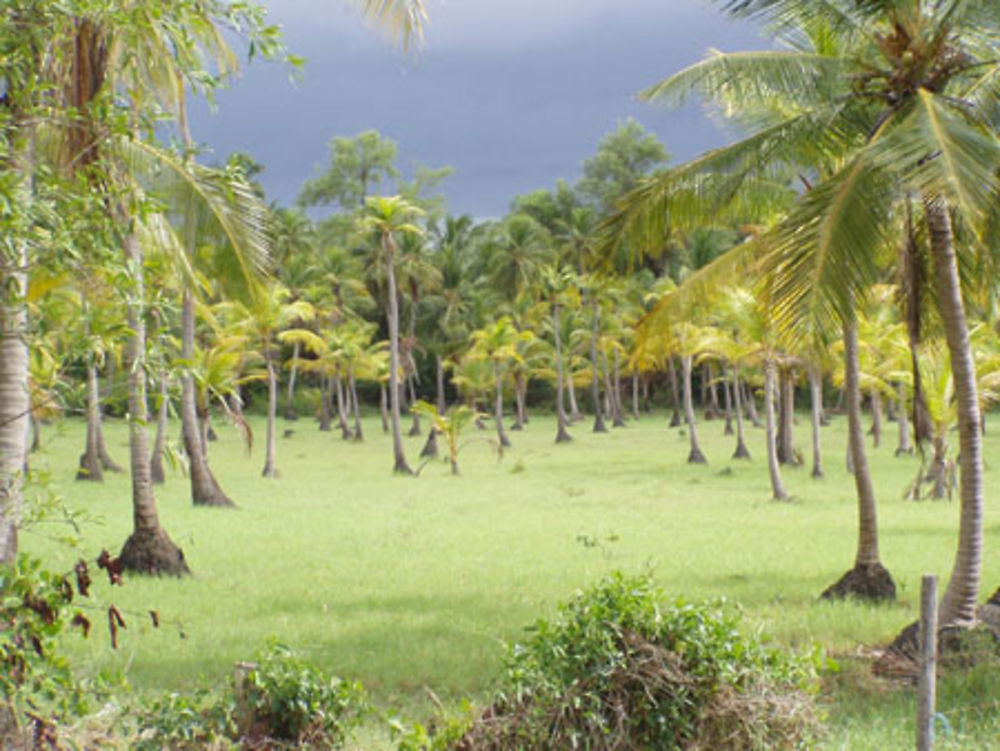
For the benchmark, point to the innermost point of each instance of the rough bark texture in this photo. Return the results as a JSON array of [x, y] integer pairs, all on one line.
[[868, 579], [149, 549], [816, 392], [270, 443], [959, 601], [741, 452], [778, 491], [695, 456], [205, 489]]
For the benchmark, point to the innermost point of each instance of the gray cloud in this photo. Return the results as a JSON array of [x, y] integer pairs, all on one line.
[[513, 94]]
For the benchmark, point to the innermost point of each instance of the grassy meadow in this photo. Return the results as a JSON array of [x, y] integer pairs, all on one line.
[[410, 584]]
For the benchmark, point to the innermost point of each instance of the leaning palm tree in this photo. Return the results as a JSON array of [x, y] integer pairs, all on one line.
[[882, 101], [387, 218]]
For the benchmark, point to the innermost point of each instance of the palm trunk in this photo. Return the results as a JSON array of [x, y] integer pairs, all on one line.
[[325, 418], [635, 396], [786, 425], [903, 421], [270, 444], [102, 449], [595, 389], [383, 408], [575, 414], [519, 389], [148, 549], [713, 392], [778, 491], [156, 470], [345, 430], [358, 432], [959, 601], [616, 393], [695, 456], [439, 380], [741, 451], [290, 413], [562, 434], [498, 406], [876, 429], [400, 465], [15, 404], [751, 405], [675, 417], [205, 490], [868, 579], [90, 460], [816, 391], [415, 425]]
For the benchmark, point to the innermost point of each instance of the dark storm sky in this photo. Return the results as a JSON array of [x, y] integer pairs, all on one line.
[[513, 94]]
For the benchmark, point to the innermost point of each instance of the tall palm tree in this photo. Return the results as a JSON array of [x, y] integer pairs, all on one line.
[[895, 98], [387, 218]]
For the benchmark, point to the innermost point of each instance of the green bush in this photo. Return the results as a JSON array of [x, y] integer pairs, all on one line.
[[617, 669], [285, 701], [292, 700]]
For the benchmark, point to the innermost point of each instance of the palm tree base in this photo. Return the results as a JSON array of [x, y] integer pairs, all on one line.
[[153, 553], [697, 457], [563, 436], [955, 640], [402, 468], [742, 452], [817, 472], [871, 582], [675, 419], [430, 448], [599, 426], [90, 468]]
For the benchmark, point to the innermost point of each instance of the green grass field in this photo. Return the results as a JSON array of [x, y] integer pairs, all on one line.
[[415, 583]]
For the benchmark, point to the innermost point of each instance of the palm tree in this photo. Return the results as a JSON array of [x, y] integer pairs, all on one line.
[[497, 343], [387, 218], [895, 100]]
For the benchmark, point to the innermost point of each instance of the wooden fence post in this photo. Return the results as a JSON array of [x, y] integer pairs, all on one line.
[[928, 663]]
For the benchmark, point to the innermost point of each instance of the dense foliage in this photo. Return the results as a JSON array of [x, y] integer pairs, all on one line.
[[618, 668]]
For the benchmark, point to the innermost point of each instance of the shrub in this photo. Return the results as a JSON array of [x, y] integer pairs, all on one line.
[[289, 699], [284, 702], [616, 669]]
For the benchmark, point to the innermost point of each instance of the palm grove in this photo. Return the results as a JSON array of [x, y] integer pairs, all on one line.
[[843, 247]]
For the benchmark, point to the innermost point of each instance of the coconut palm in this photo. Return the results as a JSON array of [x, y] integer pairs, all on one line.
[[387, 218], [497, 343], [894, 99]]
